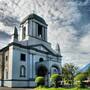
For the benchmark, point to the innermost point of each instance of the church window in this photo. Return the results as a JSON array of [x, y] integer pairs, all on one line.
[[23, 57], [22, 71], [23, 32], [41, 60], [39, 31]]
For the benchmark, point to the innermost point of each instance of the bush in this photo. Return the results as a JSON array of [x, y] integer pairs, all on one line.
[[80, 84], [56, 80], [40, 81], [80, 80]]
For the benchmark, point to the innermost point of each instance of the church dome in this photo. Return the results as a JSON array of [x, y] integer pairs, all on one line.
[[34, 16]]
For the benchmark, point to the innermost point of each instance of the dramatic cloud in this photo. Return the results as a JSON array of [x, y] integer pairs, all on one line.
[[6, 14], [68, 24], [85, 42], [82, 2], [4, 39]]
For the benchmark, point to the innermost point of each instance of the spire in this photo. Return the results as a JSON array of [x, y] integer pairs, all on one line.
[[14, 37], [15, 33], [58, 48]]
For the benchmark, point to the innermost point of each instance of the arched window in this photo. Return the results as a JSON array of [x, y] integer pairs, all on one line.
[[41, 60], [55, 69], [40, 31], [22, 71]]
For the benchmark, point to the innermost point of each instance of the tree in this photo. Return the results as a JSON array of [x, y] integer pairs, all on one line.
[[79, 79], [88, 72], [40, 81], [56, 80], [68, 71]]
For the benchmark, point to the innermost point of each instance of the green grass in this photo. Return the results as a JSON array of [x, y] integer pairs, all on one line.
[[39, 88]]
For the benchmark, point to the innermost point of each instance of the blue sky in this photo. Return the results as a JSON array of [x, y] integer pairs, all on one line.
[[68, 24]]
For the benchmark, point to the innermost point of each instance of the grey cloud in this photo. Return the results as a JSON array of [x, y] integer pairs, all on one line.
[[9, 20], [6, 14], [4, 39], [65, 18], [82, 2], [4, 35]]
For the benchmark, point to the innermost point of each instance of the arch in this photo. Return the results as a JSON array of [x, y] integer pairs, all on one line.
[[42, 70], [55, 69], [22, 71]]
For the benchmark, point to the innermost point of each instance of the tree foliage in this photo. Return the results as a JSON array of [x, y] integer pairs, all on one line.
[[40, 81], [68, 71], [79, 80], [81, 77], [56, 80]]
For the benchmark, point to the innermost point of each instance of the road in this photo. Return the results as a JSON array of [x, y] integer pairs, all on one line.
[[6, 88]]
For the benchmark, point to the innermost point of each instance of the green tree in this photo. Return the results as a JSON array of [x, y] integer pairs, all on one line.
[[40, 81], [79, 79], [68, 71], [56, 80], [88, 72]]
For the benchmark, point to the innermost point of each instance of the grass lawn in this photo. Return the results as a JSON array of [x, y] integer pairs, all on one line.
[[62, 88]]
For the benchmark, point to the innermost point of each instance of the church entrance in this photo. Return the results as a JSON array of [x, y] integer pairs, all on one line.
[[42, 71]]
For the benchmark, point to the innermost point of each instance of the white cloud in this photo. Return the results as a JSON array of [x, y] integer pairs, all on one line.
[[82, 3], [59, 14], [85, 41]]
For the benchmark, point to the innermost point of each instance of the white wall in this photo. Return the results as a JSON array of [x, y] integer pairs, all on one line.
[[17, 63], [31, 58], [20, 84], [9, 83]]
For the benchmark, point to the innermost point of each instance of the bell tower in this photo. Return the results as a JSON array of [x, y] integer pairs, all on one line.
[[33, 26]]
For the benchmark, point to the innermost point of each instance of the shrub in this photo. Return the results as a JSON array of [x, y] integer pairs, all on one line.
[[80, 84], [80, 80], [55, 80], [40, 81]]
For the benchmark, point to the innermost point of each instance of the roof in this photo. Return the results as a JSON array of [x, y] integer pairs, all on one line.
[[28, 47], [34, 16], [49, 49]]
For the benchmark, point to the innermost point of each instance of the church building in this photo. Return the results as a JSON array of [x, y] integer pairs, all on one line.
[[29, 55]]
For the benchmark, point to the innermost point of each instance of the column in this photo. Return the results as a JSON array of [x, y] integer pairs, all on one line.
[[43, 33]]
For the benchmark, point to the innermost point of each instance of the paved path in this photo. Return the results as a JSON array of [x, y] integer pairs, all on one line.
[[6, 88]]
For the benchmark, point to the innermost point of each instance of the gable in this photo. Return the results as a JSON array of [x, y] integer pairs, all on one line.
[[41, 48], [45, 49]]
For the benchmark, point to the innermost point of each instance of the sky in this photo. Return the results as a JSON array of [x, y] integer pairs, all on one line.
[[68, 24]]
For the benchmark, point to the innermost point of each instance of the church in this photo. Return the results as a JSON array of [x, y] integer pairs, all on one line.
[[28, 55]]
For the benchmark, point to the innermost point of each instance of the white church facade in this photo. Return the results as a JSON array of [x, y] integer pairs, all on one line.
[[29, 55]]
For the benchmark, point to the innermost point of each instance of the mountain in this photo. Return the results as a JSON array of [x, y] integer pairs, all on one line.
[[84, 68]]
